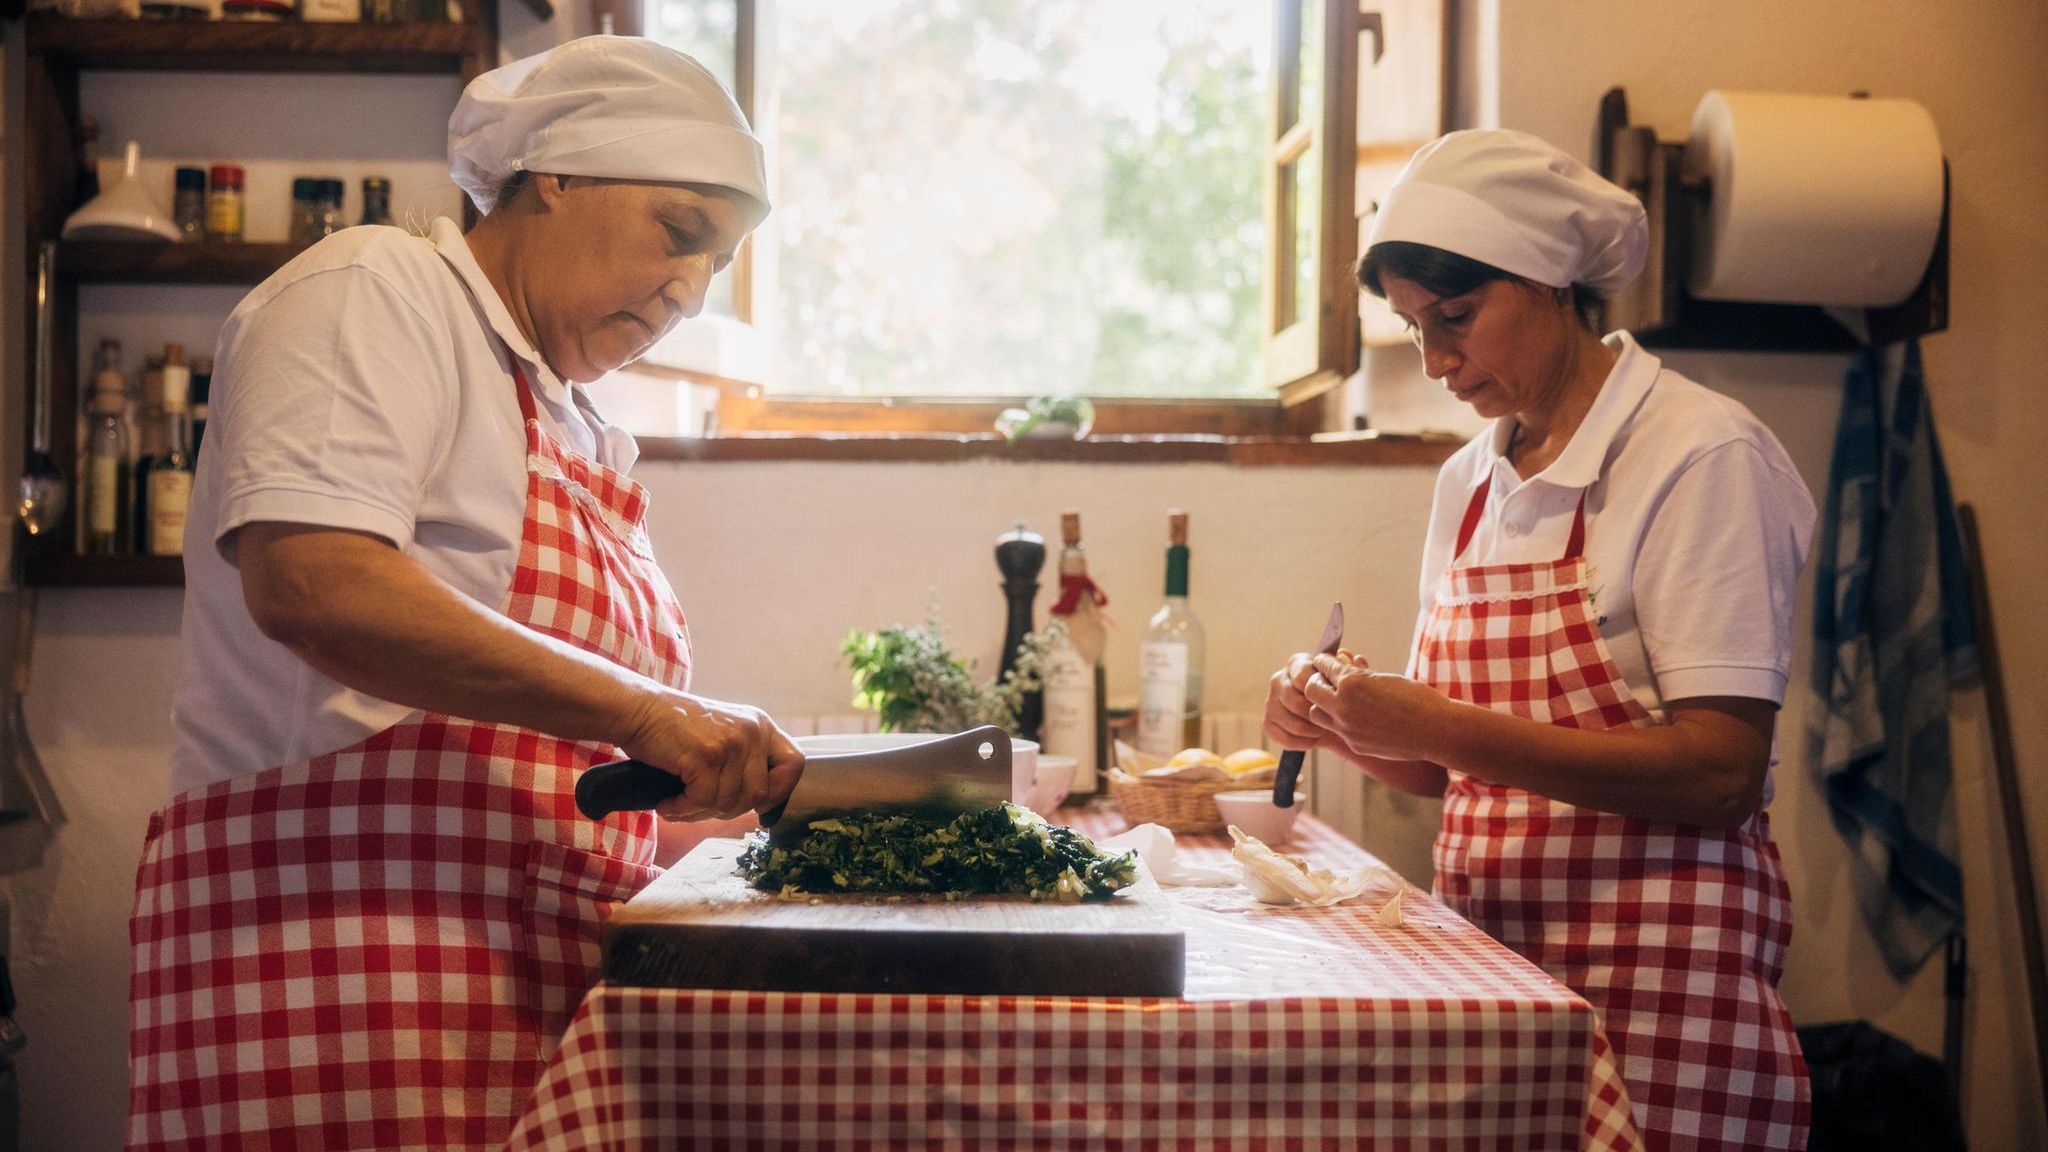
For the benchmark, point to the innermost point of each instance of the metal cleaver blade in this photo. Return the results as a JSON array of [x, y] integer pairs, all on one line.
[[941, 777]]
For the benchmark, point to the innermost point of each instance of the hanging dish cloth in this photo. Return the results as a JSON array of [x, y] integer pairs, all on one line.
[[1892, 632]]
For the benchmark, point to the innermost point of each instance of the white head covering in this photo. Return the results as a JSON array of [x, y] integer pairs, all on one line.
[[620, 107], [1516, 202]]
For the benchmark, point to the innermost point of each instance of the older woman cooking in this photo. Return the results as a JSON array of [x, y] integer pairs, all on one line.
[[420, 601], [1605, 636]]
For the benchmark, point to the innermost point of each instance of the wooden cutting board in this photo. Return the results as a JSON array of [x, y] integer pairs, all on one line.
[[699, 926]]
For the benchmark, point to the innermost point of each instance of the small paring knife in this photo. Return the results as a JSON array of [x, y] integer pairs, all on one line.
[[941, 777], [1289, 773]]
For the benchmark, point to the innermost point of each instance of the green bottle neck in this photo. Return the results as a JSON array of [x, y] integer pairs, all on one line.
[[1177, 570]]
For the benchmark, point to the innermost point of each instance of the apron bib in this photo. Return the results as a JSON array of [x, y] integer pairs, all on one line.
[[1675, 933], [379, 947]]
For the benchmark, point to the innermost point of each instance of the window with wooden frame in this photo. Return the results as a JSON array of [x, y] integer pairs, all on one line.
[[989, 200]]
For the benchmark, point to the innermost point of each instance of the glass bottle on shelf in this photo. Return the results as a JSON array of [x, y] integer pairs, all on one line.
[[107, 476], [1074, 677], [144, 424], [170, 487], [376, 200], [1171, 657], [202, 389]]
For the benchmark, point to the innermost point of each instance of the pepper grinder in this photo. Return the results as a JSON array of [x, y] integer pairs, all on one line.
[[1020, 555]]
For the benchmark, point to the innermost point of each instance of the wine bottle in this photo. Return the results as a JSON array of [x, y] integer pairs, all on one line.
[[1170, 658], [1074, 680]]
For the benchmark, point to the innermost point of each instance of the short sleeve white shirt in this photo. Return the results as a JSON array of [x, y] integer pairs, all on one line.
[[366, 386], [1697, 524]]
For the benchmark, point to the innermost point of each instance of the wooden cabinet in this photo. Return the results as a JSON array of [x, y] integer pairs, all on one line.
[[58, 50]]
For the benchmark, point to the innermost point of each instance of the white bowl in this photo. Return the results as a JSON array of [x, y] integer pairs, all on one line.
[[1055, 778], [1023, 754], [1255, 812]]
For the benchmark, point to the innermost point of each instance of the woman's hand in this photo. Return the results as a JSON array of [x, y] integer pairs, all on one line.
[[1374, 713], [1289, 720], [732, 759]]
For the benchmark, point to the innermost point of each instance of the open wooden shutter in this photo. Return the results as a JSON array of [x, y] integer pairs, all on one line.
[[728, 346], [1311, 301]]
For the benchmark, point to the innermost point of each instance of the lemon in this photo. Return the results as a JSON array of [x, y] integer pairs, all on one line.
[[1245, 761]]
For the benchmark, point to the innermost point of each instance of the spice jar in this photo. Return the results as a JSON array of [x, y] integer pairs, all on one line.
[[376, 200], [327, 208], [224, 203], [188, 207], [304, 204]]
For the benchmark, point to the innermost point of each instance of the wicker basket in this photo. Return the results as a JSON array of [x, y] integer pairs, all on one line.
[[1178, 805]]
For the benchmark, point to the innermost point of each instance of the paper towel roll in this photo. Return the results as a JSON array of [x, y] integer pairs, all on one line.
[[1813, 199]]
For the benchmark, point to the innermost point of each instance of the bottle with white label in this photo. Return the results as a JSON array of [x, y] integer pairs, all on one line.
[[1170, 659], [166, 488], [170, 488], [1074, 680]]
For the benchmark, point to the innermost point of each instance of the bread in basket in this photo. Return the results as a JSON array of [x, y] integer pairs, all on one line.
[[1179, 792]]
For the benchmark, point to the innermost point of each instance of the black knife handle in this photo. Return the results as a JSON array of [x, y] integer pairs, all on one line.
[[624, 786], [1283, 780]]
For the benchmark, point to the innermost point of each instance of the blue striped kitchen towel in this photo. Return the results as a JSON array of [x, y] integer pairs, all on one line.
[[1892, 632]]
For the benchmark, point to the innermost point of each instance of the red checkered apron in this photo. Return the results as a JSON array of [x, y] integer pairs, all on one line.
[[1676, 933], [380, 947]]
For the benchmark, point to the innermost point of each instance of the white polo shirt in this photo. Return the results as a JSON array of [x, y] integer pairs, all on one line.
[[1697, 524], [367, 385]]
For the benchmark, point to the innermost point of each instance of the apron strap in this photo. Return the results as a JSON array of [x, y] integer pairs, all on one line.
[[1574, 548], [527, 413], [1473, 511]]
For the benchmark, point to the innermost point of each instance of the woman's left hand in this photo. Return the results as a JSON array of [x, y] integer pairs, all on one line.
[[1376, 713]]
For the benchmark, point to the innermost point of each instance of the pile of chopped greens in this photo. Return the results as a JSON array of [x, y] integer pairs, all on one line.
[[1004, 849]]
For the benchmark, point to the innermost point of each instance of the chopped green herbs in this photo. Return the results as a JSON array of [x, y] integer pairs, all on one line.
[[1004, 849]]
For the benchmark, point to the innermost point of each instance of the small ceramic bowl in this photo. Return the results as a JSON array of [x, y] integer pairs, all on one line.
[[1055, 778], [1255, 812]]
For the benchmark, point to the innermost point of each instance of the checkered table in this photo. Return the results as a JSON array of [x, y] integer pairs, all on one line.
[[1300, 1029]]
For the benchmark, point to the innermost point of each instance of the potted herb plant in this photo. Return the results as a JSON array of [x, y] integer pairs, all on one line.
[[914, 683]]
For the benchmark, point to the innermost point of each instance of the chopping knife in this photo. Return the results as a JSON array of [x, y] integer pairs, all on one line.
[[1290, 761], [944, 776]]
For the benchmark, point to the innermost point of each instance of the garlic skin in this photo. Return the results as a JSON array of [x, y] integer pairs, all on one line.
[[1275, 878]]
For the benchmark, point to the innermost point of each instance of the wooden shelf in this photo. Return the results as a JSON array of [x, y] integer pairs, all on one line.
[[236, 46], [63, 569], [143, 262], [58, 53]]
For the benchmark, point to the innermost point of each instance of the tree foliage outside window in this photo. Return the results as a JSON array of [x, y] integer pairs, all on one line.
[[1011, 197]]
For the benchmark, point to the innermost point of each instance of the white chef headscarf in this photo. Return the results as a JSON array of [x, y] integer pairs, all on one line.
[[620, 107], [1516, 202]]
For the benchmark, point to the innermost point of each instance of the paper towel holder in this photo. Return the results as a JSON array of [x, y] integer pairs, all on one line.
[[1661, 313]]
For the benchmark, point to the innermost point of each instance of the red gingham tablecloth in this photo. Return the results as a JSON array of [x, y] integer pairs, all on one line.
[[1301, 1028]]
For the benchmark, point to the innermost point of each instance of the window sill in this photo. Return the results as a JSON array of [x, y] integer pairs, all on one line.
[[1340, 450]]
